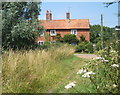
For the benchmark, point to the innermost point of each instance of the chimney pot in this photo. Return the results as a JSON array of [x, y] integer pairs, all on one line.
[[48, 15], [67, 15], [47, 11]]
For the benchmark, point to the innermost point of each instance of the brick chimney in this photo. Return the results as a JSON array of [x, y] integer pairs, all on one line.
[[67, 15], [48, 15]]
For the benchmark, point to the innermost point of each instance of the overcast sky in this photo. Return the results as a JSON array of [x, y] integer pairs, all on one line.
[[82, 10]]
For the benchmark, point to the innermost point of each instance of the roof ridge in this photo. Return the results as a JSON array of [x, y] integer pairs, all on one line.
[[62, 19]]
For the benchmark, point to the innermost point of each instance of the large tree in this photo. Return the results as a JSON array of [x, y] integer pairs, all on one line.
[[19, 24], [95, 33]]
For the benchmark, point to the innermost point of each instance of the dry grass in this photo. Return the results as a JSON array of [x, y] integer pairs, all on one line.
[[33, 71]]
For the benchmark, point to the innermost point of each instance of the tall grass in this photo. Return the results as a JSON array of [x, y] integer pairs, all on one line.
[[33, 71]]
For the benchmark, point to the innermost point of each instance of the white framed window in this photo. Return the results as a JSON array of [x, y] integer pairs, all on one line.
[[42, 33], [40, 42], [52, 32], [74, 31]]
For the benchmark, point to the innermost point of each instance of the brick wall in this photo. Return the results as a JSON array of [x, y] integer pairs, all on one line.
[[66, 31]]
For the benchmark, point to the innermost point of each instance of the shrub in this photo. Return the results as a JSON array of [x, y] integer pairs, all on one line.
[[98, 46], [89, 47], [82, 38], [80, 47], [85, 47], [106, 67], [58, 37], [46, 45], [70, 38]]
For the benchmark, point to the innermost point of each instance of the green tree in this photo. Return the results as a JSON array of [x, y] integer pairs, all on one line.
[[70, 38], [19, 24], [95, 33]]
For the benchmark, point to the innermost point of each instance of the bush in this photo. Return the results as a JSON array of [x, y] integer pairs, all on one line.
[[89, 47], [98, 46], [82, 38], [70, 38], [46, 45], [58, 37], [85, 47], [106, 78], [80, 47]]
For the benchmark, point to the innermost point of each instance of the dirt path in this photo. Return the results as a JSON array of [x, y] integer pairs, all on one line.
[[86, 56]]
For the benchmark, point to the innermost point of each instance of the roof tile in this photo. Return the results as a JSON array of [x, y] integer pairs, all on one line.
[[66, 24]]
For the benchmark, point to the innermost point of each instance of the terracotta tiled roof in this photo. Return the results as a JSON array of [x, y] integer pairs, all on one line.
[[65, 24]]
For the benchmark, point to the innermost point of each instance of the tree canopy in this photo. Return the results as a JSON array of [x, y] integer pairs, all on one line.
[[95, 33], [20, 24]]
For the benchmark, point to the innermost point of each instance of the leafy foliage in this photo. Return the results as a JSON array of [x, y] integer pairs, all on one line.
[[85, 47], [95, 33], [58, 37], [17, 30], [89, 48], [82, 38], [70, 38]]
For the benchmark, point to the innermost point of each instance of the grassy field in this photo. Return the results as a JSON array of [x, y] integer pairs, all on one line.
[[43, 71]]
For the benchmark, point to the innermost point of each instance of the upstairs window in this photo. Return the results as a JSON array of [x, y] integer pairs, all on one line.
[[74, 31], [52, 32], [40, 42]]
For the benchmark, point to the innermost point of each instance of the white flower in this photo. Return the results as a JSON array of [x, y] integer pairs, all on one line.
[[91, 72], [81, 71], [102, 58], [70, 85], [87, 74], [112, 51], [114, 85], [115, 65], [99, 58], [67, 86], [106, 60]]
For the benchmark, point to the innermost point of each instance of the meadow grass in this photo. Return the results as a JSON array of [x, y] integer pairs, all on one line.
[[37, 71]]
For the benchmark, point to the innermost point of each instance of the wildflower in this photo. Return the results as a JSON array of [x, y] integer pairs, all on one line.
[[115, 65], [112, 51], [106, 60], [81, 71], [87, 74], [114, 85], [99, 58], [70, 85], [102, 59]]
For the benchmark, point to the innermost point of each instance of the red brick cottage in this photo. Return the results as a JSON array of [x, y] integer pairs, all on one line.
[[63, 26]]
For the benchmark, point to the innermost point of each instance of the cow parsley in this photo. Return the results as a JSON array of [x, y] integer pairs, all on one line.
[[70, 85], [87, 74], [115, 65], [81, 71]]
